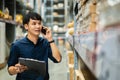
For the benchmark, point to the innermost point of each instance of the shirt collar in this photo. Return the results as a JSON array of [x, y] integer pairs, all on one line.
[[39, 40]]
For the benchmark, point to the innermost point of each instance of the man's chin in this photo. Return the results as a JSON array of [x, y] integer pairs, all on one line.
[[37, 34]]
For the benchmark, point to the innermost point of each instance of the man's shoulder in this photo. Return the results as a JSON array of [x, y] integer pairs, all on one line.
[[19, 41]]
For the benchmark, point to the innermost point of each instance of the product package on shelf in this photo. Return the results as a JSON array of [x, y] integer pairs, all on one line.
[[109, 16], [86, 16], [95, 47]]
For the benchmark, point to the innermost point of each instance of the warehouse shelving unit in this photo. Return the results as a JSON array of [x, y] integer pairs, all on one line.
[[55, 13], [5, 31], [48, 19], [8, 26], [96, 39]]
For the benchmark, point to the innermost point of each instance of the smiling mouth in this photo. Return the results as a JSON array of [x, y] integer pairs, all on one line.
[[37, 30]]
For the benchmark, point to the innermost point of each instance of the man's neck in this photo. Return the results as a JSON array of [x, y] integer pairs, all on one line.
[[32, 38]]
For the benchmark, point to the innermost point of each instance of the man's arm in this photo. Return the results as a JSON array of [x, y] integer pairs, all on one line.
[[55, 52]]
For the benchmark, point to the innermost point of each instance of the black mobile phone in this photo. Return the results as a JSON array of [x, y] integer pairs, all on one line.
[[43, 30]]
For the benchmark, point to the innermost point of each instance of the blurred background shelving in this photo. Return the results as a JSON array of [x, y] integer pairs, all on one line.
[[88, 29], [11, 28], [11, 14], [96, 34], [54, 13]]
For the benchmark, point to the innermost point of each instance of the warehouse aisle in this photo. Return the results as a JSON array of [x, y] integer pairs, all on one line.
[[5, 76], [57, 71]]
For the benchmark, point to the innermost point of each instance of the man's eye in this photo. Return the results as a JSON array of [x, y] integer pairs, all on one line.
[[39, 23], [33, 23]]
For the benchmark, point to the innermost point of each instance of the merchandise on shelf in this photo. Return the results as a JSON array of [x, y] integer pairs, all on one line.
[[1, 14], [86, 16], [70, 27], [71, 24], [109, 16], [71, 31], [6, 14], [19, 18], [60, 5], [56, 10], [98, 44]]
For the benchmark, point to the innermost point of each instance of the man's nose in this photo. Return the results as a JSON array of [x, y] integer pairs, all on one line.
[[38, 25]]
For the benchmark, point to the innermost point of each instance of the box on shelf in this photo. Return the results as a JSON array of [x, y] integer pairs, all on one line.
[[92, 27], [79, 75], [92, 8], [71, 71], [70, 57]]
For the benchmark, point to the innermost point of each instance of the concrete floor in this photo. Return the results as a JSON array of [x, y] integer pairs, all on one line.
[[5, 76], [57, 71]]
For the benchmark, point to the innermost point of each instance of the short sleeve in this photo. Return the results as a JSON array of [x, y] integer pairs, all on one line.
[[13, 57]]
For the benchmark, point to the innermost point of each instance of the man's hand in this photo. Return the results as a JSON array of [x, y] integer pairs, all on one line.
[[17, 69], [20, 68], [48, 35]]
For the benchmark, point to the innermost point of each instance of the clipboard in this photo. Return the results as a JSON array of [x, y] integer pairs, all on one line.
[[37, 66]]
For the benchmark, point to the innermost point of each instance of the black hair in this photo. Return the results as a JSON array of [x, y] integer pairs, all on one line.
[[31, 15]]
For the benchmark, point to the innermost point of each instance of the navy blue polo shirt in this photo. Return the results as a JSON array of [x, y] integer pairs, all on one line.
[[27, 49]]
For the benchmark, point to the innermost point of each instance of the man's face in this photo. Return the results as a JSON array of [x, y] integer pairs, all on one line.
[[34, 27]]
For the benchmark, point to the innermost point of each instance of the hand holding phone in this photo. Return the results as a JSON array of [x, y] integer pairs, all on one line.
[[47, 33], [44, 30]]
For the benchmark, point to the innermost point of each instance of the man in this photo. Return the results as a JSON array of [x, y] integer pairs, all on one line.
[[34, 47]]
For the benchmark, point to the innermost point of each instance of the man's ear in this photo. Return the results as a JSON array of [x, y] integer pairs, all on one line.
[[26, 26]]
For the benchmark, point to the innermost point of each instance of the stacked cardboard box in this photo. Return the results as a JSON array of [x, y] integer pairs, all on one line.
[[86, 16], [71, 64]]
